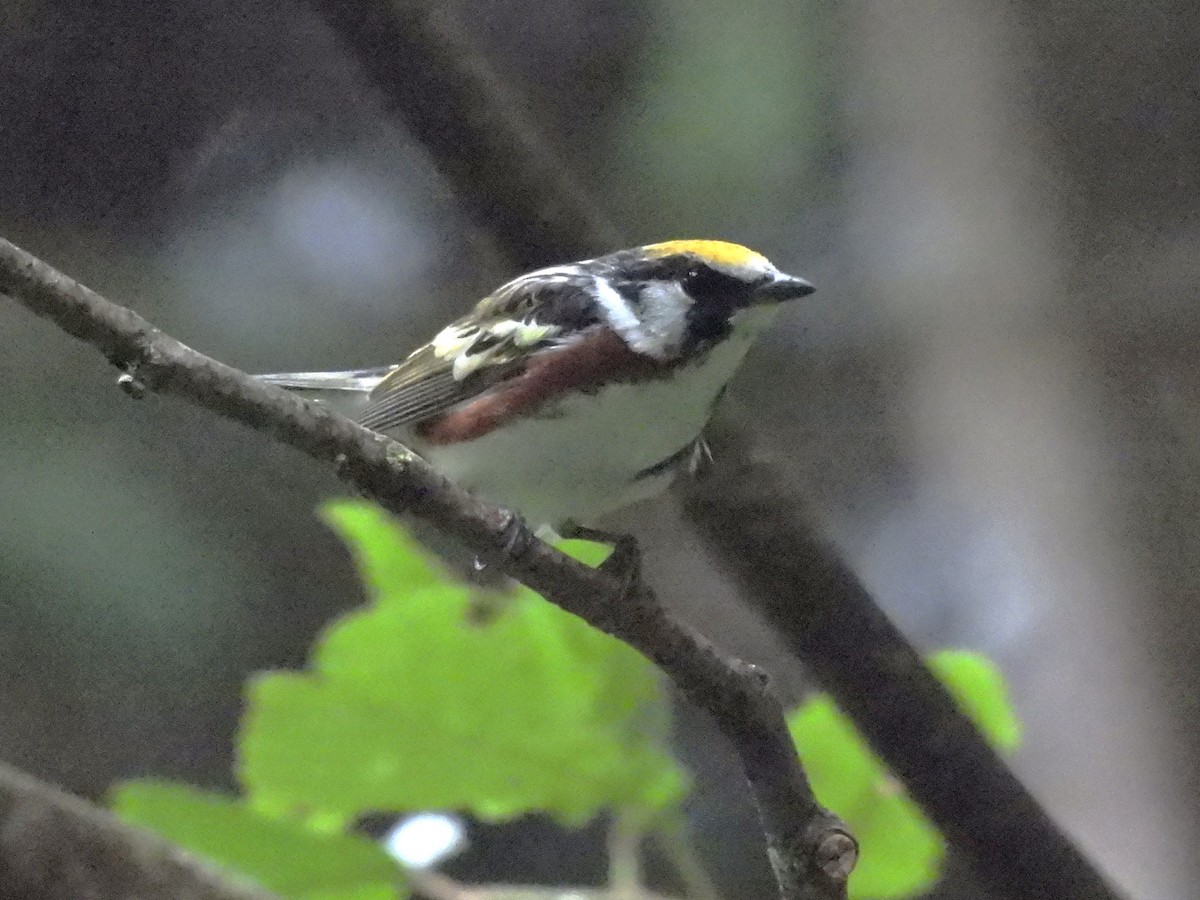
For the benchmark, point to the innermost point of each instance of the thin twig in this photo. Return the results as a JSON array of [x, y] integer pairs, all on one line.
[[625, 858], [818, 605], [54, 846], [679, 851], [431, 885], [810, 849], [436, 886]]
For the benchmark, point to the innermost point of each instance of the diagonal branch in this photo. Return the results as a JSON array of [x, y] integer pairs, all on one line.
[[810, 849], [820, 608], [480, 131]]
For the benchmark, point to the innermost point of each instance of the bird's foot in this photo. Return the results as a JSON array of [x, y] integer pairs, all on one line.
[[518, 536], [625, 561]]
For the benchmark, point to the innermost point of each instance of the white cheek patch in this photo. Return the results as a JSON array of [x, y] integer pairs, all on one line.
[[665, 307], [659, 331]]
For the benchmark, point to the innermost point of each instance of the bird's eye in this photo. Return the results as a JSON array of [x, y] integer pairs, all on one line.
[[704, 284]]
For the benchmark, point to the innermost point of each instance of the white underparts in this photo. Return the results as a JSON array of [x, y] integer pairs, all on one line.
[[581, 457]]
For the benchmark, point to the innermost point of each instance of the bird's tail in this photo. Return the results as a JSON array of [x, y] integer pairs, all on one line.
[[345, 392]]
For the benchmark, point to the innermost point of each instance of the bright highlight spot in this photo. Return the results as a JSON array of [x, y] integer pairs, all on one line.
[[425, 839]]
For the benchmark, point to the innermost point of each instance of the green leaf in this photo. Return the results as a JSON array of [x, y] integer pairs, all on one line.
[[282, 856], [901, 851], [588, 552], [978, 688], [387, 557], [413, 703]]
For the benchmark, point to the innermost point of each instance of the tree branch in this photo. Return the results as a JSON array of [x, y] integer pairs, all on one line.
[[810, 849], [53, 846], [820, 608], [482, 139], [478, 130]]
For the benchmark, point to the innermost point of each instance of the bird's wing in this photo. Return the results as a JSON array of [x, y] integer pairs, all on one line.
[[423, 386], [493, 343]]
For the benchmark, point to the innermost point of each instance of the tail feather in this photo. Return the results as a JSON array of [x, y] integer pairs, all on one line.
[[362, 380], [346, 393]]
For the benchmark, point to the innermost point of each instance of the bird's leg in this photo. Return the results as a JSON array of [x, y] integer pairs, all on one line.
[[518, 537], [625, 561], [701, 459]]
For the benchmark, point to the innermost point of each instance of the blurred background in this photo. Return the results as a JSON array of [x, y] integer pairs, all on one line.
[[992, 403]]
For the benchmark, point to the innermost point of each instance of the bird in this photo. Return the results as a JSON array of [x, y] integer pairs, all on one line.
[[574, 390]]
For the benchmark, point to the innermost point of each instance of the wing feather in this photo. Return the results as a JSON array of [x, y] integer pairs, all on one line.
[[416, 403], [524, 318]]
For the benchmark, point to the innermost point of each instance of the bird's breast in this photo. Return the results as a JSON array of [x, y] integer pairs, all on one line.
[[579, 454]]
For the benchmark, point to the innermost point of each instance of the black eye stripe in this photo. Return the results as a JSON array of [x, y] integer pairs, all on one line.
[[717, 297], [715, 294], [706, 284], [631, 267]]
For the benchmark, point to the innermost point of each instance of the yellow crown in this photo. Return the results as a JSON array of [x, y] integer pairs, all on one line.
[[719, 252]]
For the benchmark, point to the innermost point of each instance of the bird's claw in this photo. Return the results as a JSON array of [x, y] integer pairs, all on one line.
[[518, 538], [625, 561]]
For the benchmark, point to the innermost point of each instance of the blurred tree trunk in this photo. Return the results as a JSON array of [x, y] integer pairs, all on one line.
[[968, 249]]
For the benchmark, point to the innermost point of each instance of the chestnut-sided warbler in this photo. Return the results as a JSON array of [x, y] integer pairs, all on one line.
[[577, 389]]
